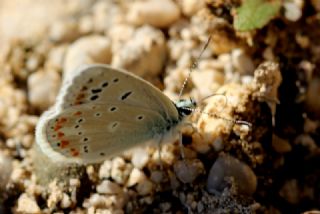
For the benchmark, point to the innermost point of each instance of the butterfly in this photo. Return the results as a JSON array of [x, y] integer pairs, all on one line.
[[103, 111]]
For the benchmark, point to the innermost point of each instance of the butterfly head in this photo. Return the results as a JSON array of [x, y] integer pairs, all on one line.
[[185, 106]]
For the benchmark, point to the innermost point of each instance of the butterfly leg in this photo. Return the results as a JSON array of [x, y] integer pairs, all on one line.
[[181, 146], [159, 152]]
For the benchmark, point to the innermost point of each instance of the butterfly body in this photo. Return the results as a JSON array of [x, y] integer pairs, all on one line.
[[103, 111]]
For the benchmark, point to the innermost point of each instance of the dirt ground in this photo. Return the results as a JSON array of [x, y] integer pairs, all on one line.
[[253, 147]]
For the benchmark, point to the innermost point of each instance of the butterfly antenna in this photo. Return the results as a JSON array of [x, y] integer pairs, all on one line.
[[239, 122], [193, 66]]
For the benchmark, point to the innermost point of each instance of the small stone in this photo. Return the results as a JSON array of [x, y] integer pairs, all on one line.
[[140, 158], [64, 31], [290, 191], [27, 204], [95, 200], [188, 170], [33, 62], [120, 171], [106, 14], [86, 24], [66, 201], [145, 187], [157, 176], [293, 10], [313, 96], [56, 57], [280, 145], [159, 14], [226, 167], [136, 177], [242, 62], [87, 50], [190, 7], [43, 87], [105, 169], [144, 54], [108, 187], [6, 169]]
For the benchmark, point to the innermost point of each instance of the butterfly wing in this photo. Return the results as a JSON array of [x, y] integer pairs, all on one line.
[[98, 83], [103, 112]]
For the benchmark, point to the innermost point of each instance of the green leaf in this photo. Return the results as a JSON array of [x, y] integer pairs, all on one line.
[[255, 14]]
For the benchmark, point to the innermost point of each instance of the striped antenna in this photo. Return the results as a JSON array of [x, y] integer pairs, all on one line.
[[193, 66]]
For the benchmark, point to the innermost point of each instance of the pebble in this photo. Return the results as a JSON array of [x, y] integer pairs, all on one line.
[[108, 187], [43, 87], [280, 145], [56, 57], [105, 169], [140, 158], [64, 31], [86, 50], [144, 54], [242, 62], [190, 7], [159, 14], [313, 97], [227, 166], [293, 10], [145, 188], [65, 201], [6, 169], [188, 170], [27, 204], [137, 176], [120, 171]]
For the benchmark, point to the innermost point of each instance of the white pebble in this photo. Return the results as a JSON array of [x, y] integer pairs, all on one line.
[[43, 87], [105, 169], [136, 176], [87, 50], [140, 158], [27, 204], [293, 11], [56, 57], [108, 187], [159, 14], [190, 7], [66, 201], [144, 54], [64, 31], [120, 170]]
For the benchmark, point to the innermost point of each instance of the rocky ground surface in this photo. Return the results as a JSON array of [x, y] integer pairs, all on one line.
[[267, 76]]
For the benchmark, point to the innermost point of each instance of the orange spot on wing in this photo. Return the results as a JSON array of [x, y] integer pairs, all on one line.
[[78, 113], [64, 143], [74, 152], [62, 120], [60, 134], [57, 127], [80, 97]]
